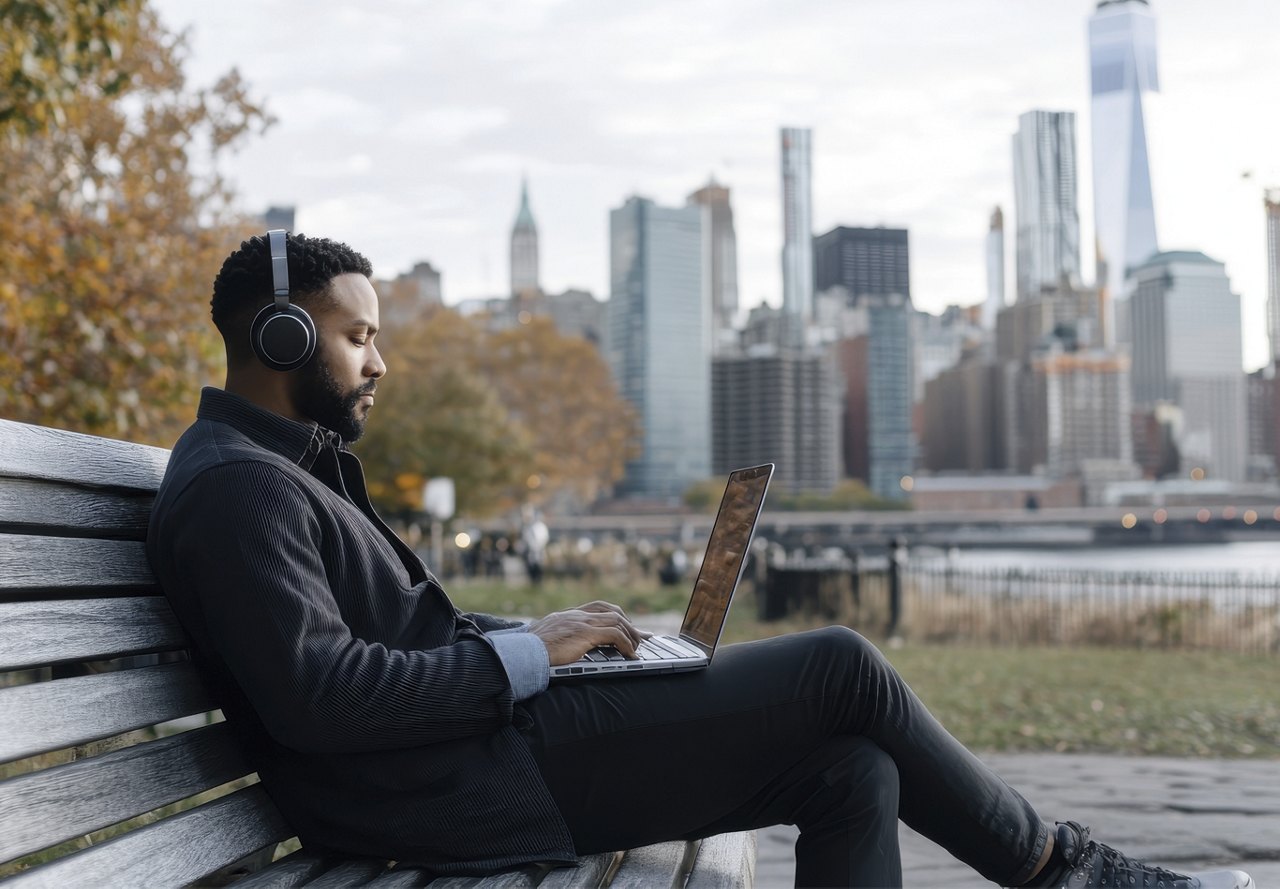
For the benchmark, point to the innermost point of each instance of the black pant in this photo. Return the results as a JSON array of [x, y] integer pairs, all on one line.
[[813, 729]]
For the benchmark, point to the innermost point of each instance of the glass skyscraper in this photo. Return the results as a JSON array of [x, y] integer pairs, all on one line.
[[1044, 190], [797, 223], [1122, 57], [658, 342], [1187, 352]]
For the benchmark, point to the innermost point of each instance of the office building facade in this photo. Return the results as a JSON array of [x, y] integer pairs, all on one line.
[[1186, 347], [864, 261], [721, 258], [777, 405], [658, 343], [1271, 204], [1044, 188]]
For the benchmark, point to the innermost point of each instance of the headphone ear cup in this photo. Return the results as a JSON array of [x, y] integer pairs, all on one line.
[[283, 339]]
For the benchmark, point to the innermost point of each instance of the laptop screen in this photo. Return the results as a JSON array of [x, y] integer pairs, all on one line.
[[726, 554]]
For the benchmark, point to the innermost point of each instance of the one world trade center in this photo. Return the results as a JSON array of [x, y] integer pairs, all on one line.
[[1122, 57]]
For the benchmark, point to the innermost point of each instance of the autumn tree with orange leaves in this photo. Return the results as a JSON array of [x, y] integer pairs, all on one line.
[[512, 416], [113, 217]]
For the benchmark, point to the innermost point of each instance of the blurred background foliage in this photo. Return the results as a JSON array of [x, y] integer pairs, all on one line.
[[114, 218], [523, 415]]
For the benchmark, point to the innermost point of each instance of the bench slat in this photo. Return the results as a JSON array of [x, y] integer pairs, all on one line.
[[172, 852], [726, 861], [55, 631], [295, 869], [28, 562], [28, 451], [351, 872], [525, 878], [47, 716], [662, 864], [75, 512], [45, 808], [590, 872]]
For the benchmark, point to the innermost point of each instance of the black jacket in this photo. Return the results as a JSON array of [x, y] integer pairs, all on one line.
[[377, 715]]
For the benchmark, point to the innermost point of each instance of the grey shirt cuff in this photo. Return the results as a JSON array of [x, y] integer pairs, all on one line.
[[524, 657]]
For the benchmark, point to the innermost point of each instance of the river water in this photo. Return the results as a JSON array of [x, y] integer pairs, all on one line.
[[1255, 558]]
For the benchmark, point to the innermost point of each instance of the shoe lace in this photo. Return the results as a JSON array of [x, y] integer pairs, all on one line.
[[1116, 865]]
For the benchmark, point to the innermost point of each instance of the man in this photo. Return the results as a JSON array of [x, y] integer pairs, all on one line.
[[385, 722]]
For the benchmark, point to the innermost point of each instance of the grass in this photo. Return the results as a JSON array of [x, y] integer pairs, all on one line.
[[1078, 699]]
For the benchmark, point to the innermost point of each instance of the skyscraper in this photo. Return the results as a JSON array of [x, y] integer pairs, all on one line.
[[657, 342], [1271, 201], [994, 302], [1187, 352], [722, 254], [524, 249], [864, 261], [797, 223], [1044, 189], [772, 405], [1122, 64]]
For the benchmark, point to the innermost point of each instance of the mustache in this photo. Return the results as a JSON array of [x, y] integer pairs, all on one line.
[[367, 389]]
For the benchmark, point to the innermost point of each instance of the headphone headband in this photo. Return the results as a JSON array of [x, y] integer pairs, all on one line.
[[279, 267]]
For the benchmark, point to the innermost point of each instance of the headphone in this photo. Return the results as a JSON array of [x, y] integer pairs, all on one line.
[[283, 335]]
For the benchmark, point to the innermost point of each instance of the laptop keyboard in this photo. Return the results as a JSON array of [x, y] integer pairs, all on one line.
[[651, 649]]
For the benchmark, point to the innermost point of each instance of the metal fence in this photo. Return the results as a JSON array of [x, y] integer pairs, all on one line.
[[1221, 611], [941, 602]]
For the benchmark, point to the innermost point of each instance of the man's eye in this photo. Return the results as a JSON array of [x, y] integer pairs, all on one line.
[[358, 340]]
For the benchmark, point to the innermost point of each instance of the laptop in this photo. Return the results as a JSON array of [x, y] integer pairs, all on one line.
[[722, 567]]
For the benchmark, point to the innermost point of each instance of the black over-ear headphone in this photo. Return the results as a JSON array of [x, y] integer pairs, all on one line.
[[283, 335]]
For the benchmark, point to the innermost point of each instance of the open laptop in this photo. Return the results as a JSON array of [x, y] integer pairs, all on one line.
[[722, 567]]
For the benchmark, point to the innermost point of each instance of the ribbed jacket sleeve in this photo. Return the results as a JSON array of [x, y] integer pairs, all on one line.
[[251, 548]]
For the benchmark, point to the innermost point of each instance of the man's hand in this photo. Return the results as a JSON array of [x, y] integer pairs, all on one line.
[[569, 635]]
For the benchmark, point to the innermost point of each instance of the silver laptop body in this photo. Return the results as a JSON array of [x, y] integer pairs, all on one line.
[[722, 565]]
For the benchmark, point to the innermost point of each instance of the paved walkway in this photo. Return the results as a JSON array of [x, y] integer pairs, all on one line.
[[1186, 814]]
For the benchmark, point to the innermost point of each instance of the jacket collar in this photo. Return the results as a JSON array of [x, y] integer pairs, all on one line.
[[298, 443]]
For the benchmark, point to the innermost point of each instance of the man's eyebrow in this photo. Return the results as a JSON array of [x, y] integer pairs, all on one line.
[[360, 322]]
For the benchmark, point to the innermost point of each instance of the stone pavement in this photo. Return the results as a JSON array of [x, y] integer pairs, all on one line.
[[1186, 814]]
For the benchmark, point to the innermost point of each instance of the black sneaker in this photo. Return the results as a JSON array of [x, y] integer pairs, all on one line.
[[1090, 864]]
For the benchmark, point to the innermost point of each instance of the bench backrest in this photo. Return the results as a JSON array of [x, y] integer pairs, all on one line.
[[92, 677]]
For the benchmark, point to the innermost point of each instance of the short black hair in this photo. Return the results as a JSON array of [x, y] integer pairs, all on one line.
[[244, 283]]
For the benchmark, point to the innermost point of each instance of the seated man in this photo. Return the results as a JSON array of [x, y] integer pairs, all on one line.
[[385, 722]]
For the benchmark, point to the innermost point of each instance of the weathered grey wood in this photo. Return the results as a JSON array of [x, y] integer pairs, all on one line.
[[401, 878], [30, 562], [41, 809], [54, 631], [36, 452], [35, 562], [172, 852], [524, 878], [727, 861], [352, 872], [55, 508], [590, 872], [648, 867], [47, 716], [295, 869]]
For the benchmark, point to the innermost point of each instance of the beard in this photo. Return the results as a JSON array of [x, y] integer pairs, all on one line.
[[322, 398]]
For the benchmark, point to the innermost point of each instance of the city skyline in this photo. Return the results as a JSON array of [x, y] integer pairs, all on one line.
[[912, 110]]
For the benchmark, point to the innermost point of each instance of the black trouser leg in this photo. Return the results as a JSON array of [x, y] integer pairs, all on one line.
[[777, 731]]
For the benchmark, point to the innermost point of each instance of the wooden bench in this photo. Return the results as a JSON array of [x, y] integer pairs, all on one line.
[[115, 767]]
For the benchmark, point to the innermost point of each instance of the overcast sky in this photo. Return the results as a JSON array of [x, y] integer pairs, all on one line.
[[404, 126]]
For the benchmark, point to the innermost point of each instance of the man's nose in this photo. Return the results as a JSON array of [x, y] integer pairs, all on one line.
[[376, 368]]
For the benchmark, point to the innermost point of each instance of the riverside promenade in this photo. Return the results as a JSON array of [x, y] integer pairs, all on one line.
[[1186, 814]]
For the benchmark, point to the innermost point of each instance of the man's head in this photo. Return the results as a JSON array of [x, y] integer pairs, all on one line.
[[331, 282]]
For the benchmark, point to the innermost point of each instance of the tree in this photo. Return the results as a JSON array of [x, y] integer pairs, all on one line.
[[562, 392], [113, 229], [512, 416], [435, 416]]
